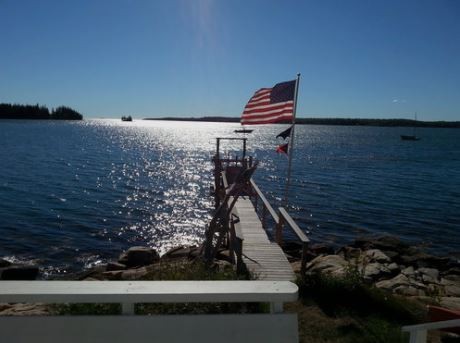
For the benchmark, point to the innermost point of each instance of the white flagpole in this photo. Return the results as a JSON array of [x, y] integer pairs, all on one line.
[[291, 142]]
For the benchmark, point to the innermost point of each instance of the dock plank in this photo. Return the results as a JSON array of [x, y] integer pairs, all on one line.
[[265, 260]]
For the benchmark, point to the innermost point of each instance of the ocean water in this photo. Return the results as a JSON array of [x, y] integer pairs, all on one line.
[[75, 194]]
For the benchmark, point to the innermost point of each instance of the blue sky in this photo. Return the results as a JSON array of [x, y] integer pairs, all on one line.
[[107, 58]]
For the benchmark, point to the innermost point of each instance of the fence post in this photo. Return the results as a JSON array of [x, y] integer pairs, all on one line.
[[303, 265], [264, 216], [127, 308], [279, 229], [239, 255]]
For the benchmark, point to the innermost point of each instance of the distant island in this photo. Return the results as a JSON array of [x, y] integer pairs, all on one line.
[[15, 111], [333, 121]]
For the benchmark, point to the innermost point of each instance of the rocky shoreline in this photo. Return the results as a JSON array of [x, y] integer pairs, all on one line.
[[384, 262], [391, 265]]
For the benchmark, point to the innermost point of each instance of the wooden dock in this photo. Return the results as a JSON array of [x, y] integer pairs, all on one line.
[[240, 221], [265, 260]]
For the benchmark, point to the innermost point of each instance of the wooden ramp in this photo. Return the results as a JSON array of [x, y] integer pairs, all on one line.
[[265, 260]]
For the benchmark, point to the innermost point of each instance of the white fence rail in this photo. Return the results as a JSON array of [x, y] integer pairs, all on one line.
[[418, 332], [270, 327]]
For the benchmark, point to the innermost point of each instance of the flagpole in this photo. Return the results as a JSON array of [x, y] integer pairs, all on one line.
[[291, 142]]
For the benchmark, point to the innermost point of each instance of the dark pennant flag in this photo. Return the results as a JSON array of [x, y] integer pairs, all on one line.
[[286, 133], [270, 105]]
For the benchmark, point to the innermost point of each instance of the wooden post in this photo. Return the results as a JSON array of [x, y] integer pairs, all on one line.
[[279, 230], [303, 264], [264, 216], [127, 308], [239, 255]]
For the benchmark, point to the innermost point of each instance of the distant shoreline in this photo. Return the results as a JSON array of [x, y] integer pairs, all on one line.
[[332, 121]]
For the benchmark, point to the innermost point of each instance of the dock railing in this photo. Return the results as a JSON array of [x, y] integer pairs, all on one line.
[[418, 333], [275, 326], [280, 219]]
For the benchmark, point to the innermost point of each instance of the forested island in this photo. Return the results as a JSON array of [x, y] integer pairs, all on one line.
[[15, 111], [333, 121]]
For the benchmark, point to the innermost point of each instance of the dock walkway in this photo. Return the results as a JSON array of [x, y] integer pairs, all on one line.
[[265, 260]]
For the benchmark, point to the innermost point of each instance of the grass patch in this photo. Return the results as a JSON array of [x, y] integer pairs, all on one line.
[[354, 311], [174, 270]]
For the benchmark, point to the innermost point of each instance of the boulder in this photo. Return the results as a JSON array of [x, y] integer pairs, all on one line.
[[349, 253], [409, 271], [452, 303], [393, 268], [397, 281], [178, 252], [331, 264], [4, 263], [138, 256], [409, 291], [375, 271], [321, 249], [19, 272], [376, 255], [452, 290], [134, 274], [111, 266], [24, 309], [424, 260], [429, 275]]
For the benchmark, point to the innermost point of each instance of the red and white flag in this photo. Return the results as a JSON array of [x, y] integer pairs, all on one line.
[[270, 105]]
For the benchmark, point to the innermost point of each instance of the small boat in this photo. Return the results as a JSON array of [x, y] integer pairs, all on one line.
[[411, 137], [128, 118], [243, 131]]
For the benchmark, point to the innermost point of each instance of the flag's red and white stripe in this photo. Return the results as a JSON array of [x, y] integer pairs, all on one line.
[[259, 110]]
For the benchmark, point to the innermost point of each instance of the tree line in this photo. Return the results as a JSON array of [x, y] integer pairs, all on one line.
[[16, 111], [333, 121]]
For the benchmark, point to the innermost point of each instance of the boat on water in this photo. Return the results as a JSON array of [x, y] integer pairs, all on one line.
[[409, 138], [243, 131], [128, 118], [412, 137]]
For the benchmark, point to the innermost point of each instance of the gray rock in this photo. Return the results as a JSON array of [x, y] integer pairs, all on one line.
[[429, 275], [24, 310], [138, 256], [111, 266], [331, 264], [409, 271], [393, 268], [321, 249], [134, 274], [349, 253], [452, 303], [409, 291], [452, 290], [375, 271], [452, 277], [423, 260], [397, 281], [376, 255], [4, 263], [19, 272], [178, 252]]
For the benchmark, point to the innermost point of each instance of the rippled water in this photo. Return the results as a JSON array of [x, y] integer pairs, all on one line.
[[75, 194]]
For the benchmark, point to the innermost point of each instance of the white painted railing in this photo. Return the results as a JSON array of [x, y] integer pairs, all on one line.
[[268, 327], [418, 332]]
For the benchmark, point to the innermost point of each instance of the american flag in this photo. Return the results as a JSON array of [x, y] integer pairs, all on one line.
[[270, 105]]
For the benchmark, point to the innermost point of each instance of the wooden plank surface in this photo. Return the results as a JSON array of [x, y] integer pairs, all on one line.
[[265, 260]]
